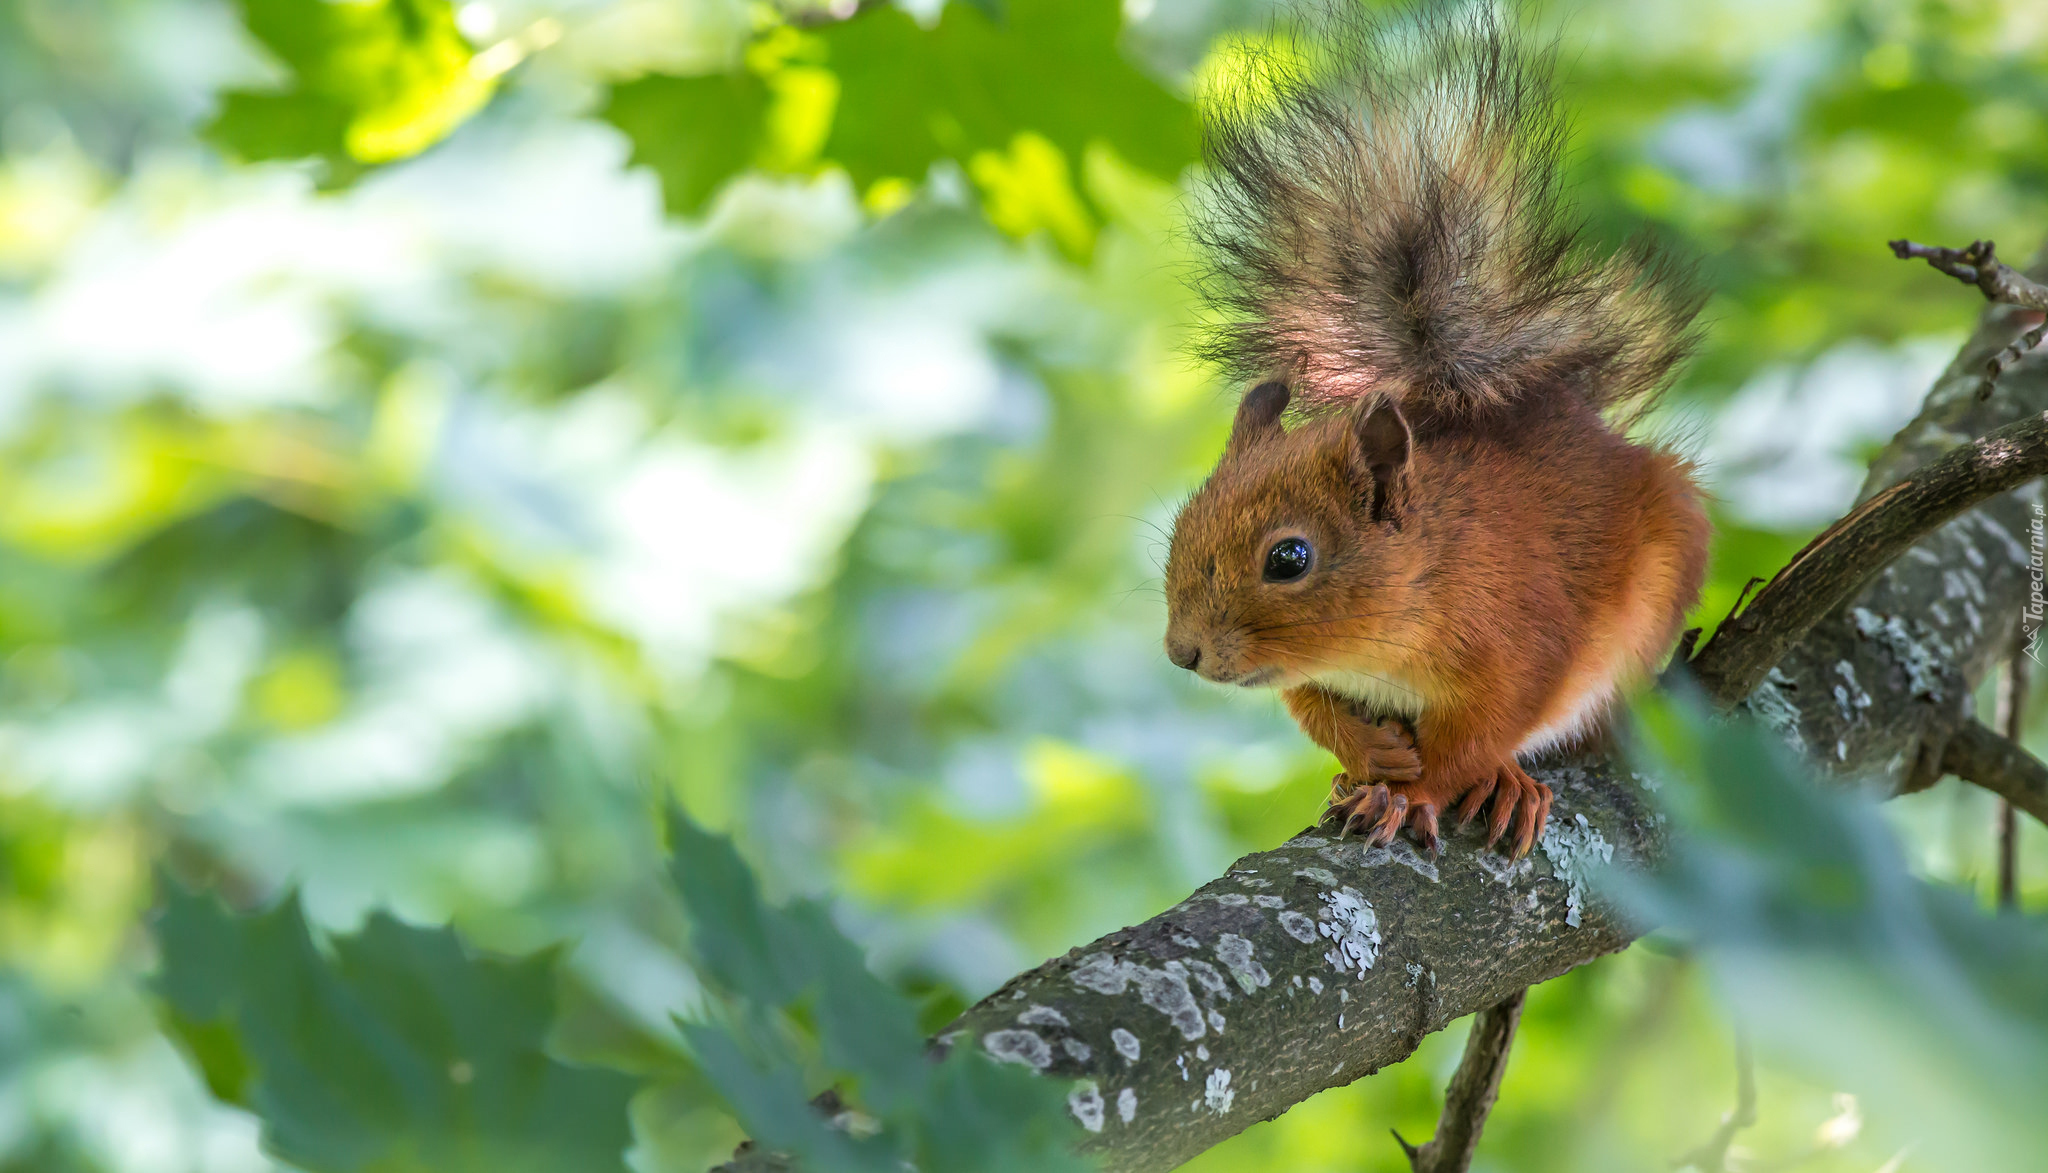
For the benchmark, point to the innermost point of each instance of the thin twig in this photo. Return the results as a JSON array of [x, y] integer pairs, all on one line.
[[1473, 1089], [1996, 365], [1978, 265], [1712, 1157], [1851, 552], [2008, 855], [1755, 581], [1678, 671], [1999, 763], [2012, 712]]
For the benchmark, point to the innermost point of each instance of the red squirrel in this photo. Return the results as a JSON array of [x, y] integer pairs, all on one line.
[[1456, 558]]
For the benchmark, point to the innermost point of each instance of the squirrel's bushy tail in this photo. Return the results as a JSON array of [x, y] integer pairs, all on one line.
[[1382, 215]]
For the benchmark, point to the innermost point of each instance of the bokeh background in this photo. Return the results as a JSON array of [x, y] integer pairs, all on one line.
[[433, 436]]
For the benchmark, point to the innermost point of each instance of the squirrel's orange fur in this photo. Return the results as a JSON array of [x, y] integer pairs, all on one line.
[[1489, 559]]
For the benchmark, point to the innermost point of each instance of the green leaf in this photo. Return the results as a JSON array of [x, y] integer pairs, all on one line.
[[863, 1025], [372, 81], [284, 126], [995, 90], [695, 132], [768, 1100], [739, 940], [401, 1051], [910, 96], [778, 956], [964, 1115], [986, 1117]]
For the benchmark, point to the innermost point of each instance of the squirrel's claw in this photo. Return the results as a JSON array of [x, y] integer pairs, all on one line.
[[1504, 806], [1520, 804], [1536, 818], [1475, 801], [1360, 810], [1390, 823], [1372, 812], [1341, 787], [1422, 821], [1520, 810]]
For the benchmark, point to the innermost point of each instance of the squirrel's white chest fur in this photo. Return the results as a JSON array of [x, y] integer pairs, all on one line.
[[1384, 692], [1394, 695]]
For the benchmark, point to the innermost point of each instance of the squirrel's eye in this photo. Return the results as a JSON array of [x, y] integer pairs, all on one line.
[[1288, 560]]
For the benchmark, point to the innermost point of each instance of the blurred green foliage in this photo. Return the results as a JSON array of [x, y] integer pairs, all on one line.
[[400, 1053], [436, 437], [966, 1113], [1833, 954], [370, 83]]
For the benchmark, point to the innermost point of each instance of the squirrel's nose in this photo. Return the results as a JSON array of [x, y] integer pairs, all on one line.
[[1185, 655]]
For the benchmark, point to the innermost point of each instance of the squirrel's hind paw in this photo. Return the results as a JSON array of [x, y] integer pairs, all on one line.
[[1519, 802]]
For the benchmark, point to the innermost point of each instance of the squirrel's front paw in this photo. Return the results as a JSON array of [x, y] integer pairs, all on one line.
[[1517, 799], [1378, 814], [1386, 751], [1389, 750], [1361, 802]]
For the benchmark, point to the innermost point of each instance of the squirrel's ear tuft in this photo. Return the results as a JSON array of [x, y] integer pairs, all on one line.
[[1258, 415], [1382, 445]]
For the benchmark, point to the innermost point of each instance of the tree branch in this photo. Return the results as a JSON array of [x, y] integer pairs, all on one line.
[[1854, 550], [1308, 966], [2011, 721], [1473, 1089], [1977, 753]]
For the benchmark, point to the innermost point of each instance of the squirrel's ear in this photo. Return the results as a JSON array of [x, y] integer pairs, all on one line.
[[1257, 416], [1382, 445]]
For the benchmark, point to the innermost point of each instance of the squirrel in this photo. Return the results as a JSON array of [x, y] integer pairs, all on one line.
[[1450, 555]]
